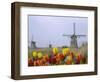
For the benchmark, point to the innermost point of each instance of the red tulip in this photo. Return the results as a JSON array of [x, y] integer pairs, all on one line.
[[52, 60], [72, 54], [78, 59], [30, 62], [68, 62], [84, 59], [58, 59], [45, 58], [35, 63], [62, 56]]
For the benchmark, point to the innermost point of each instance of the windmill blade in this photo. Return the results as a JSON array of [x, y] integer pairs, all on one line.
[[81, 35], [67, 35], [74, 28]]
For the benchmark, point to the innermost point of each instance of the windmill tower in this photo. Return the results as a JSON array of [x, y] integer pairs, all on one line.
[[33, 43], [73, 43]]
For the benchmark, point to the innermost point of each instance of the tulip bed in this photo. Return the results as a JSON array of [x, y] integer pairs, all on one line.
[[65, 56]]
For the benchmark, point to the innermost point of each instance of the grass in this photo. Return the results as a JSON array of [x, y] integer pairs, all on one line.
[[82, 50]]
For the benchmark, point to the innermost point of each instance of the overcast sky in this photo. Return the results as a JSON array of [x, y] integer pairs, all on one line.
[[50, 29]]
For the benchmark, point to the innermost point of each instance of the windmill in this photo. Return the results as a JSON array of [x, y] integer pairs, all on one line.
[[33, 43], [73, 43], [50, 45]]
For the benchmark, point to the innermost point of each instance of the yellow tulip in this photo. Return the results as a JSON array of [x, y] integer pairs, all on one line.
[[55, 51], [40, 55], [65, 51], [76, 54], [34, 54], [69, 58]]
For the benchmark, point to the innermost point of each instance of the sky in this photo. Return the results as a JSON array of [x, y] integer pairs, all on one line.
[[47, 30]]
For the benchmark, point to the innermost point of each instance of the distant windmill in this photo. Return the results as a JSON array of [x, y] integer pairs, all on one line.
[[74, 37], [33, 43], [50, 45]]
